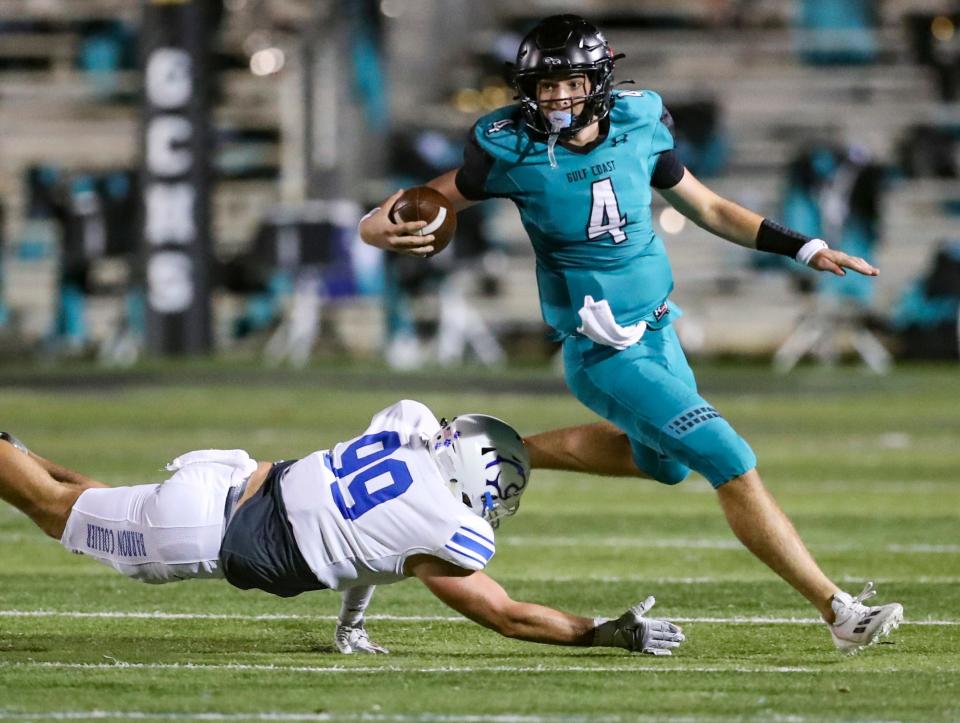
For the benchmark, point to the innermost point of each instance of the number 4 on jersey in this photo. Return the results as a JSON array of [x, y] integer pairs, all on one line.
[[605, 213]]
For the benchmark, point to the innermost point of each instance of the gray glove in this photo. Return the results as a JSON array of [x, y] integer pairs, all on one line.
[[636, 633], [354, 639]]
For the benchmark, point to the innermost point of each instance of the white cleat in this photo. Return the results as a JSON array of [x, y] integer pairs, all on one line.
[[349, 640], [857, 625]]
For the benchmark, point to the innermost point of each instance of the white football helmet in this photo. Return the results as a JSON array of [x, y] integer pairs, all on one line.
[[484, 462]]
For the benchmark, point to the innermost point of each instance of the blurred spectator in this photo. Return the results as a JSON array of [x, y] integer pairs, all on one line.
[[106, 48], [96, 216], [38, 237], [702, 145], [837, 31], [928, 151], [927, 316], [4, 313], [78, 214], [415, 157], [301, 257], [935, 40], [370, 82], [835, 193]]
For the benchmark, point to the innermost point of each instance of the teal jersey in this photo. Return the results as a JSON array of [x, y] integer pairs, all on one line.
[[588, 217]]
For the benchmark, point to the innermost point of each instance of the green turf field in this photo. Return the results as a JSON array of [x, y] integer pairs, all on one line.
[[869, 470]]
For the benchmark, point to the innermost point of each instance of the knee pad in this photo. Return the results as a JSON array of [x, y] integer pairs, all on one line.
[[714, 449], [659, 466], [672, 473]]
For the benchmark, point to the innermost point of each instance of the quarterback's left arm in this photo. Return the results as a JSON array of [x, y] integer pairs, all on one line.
[[733, 222]]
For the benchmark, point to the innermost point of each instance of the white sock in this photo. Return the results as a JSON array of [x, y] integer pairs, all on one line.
[[353, 603]]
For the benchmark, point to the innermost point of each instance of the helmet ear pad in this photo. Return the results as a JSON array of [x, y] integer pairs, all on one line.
[[484, 463]]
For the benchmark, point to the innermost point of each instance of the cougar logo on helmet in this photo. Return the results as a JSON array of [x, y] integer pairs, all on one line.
[[516, 484], [484, 463]]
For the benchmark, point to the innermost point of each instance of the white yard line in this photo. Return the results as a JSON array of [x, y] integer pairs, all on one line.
[[718, 579], [158, 615], [241, 667], [99, 571], [291, 716], [372, 717], [705, 544], [146, 715]]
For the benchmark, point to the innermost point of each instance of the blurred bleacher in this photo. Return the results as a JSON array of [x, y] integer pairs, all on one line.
[[56, 113], [743, 53]]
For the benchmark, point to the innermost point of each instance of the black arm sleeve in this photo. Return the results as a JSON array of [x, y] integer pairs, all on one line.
[[669, 170], [472, 176]]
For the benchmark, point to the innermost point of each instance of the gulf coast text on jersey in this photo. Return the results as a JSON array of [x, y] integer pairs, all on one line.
[[597, 169]]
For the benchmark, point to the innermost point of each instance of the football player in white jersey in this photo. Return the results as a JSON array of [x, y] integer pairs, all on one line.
[[410, 497]]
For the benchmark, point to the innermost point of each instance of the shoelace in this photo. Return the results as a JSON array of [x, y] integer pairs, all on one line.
[[352, 635], [865, 594]]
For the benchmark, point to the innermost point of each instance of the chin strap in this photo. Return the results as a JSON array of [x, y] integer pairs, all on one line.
[[489, 507]]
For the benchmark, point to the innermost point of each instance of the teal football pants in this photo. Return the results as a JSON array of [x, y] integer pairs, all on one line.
[[649, 392]]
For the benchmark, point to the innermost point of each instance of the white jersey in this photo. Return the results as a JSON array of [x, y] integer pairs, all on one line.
[[359, 511]]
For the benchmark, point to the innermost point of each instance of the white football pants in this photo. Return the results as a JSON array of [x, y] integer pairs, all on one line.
[[164, 532]]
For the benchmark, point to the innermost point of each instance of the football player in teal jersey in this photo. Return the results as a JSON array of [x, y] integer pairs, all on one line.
[[579, 160]]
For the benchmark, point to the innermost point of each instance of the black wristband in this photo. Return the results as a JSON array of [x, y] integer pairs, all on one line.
[[777, 239]]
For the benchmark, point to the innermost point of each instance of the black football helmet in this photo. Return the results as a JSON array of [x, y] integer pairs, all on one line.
[[559, 45]]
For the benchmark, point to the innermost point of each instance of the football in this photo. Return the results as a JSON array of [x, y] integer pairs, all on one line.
[[423, 203]]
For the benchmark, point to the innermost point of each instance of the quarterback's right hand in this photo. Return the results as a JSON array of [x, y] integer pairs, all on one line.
[[376, 229], [636, 633]]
